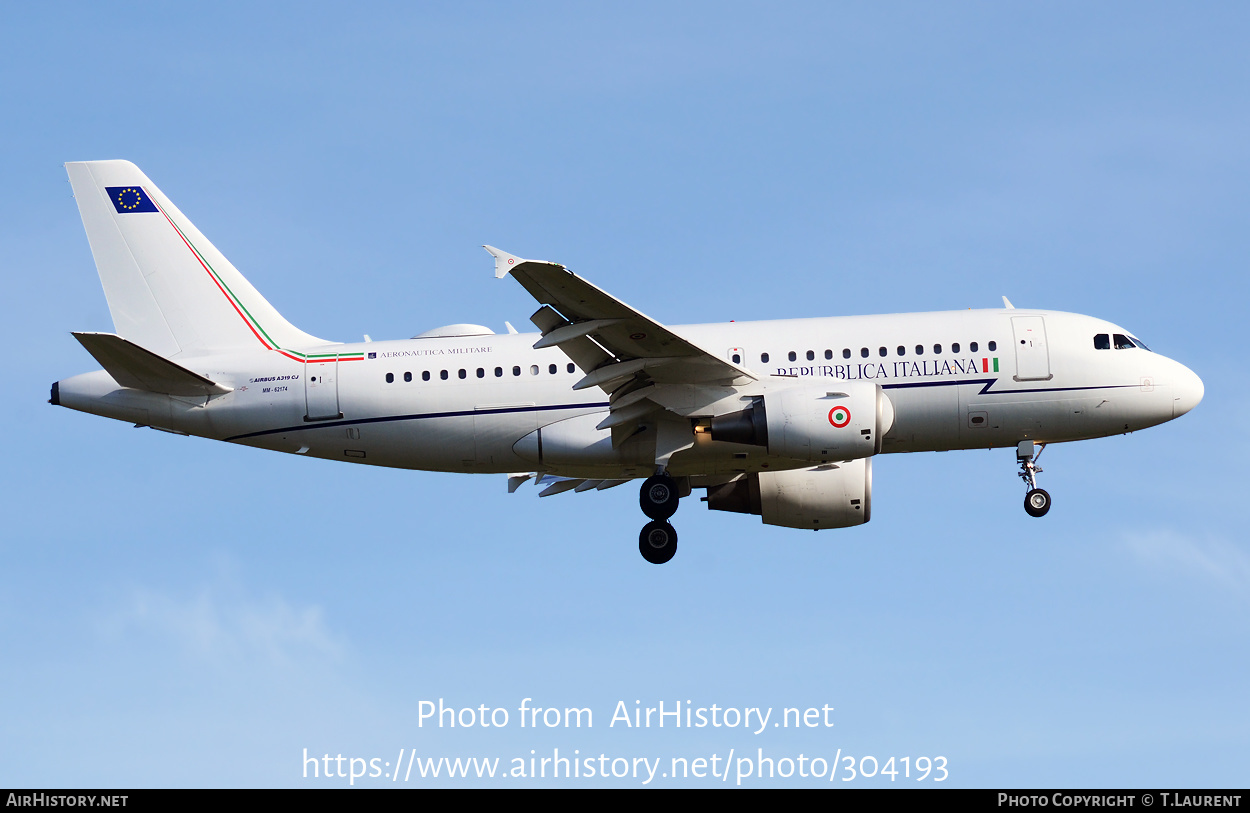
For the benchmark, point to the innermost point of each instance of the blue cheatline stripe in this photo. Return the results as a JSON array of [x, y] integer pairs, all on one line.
[[423, 416], [989, 382], [985, 390]]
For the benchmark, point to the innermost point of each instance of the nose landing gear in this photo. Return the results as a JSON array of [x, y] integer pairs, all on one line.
[[1037, 501], [658, 498]]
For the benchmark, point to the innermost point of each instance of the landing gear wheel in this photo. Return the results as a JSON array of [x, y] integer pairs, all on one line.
[[658, 497], [1037, 502], [658, 542]]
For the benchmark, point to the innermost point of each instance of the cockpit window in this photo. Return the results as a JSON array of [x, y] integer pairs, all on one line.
[[1140, 344], [1123, 342], [1102, 342]]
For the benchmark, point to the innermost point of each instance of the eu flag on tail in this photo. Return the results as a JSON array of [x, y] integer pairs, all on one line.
[[130, 199]]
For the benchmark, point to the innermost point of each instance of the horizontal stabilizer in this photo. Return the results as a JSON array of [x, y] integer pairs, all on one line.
[[132, 366]]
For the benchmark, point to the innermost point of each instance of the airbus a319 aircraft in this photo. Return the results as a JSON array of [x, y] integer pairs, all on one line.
[[779, 419]]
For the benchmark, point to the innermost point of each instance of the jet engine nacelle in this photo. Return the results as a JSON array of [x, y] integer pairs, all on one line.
[[832, 496], [839, 420]]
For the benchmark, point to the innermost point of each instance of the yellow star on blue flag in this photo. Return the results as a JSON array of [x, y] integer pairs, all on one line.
[[130, 199]]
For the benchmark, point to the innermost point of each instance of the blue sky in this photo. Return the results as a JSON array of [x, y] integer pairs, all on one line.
[[175, 612]]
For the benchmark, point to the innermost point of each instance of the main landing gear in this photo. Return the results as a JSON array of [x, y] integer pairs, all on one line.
[[1037, 501], [658, 499]]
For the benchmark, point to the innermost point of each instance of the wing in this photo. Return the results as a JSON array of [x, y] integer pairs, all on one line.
[[633, 347], [644, 366]]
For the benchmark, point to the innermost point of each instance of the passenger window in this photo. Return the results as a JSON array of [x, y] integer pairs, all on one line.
[[792, 356], [442, 374], [937, 349], [828, 354], [881, 351], [764, 358], [737, 359], [846, 352], [390, 378], [993, 346], [425, 375], [533, 369], [481, 373], [498, 372], [572, 367], [810, 355], [516, 370], [463, 373], [407, 376], [972, 346], [954, 347], [551, 368], [902, 351], [1102, 342], [920, 350], [863, 352]]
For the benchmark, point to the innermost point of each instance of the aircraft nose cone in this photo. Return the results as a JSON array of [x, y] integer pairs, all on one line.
[[1188, 391]]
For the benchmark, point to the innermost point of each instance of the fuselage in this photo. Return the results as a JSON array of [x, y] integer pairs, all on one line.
[[956, 379], [777, 419]]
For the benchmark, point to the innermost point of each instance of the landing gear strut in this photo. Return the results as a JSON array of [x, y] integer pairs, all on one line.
[[1037, 500], [658, 498]]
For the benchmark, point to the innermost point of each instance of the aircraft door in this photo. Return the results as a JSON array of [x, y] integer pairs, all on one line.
[[1032, 354], [321, 390]]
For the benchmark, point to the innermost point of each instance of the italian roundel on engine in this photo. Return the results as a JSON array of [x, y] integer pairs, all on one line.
[[842, 421]]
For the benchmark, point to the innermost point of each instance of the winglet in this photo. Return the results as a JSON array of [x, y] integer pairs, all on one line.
[[1007, 304], [504, 262]]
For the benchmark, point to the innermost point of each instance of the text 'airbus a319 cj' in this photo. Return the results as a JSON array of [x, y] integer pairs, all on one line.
[[780, 419]]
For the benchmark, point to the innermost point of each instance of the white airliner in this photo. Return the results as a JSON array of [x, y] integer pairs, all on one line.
[[780, 419]]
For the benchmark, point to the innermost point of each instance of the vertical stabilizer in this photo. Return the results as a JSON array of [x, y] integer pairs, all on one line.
[[169, 289]]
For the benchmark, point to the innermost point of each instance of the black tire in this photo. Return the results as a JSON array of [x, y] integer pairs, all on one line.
[[658, 497], [658, 542], [1037, 502]]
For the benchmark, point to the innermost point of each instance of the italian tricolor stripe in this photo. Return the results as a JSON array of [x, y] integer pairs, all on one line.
[[257, 330]]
